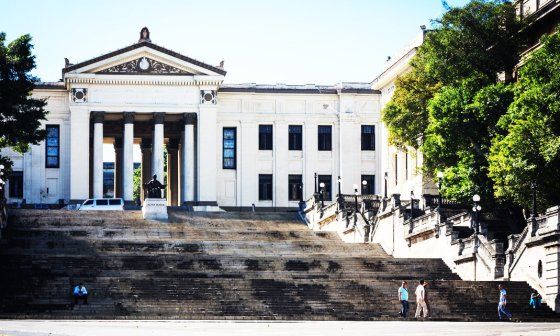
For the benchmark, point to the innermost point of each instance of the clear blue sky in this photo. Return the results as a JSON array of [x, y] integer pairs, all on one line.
[[305, 41]]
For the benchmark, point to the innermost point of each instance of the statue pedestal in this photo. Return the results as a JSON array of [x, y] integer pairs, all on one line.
[[154, 208]]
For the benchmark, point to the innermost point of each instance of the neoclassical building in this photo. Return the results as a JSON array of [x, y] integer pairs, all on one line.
[[226, 145]]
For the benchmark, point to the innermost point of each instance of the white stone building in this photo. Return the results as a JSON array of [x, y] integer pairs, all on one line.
[[228, 145]]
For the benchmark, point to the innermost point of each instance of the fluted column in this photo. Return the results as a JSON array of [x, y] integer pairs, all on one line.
[[187, 159], [98, 118], [172, 172], [157, 148], [118, 145], [128, 160], [146, 147]]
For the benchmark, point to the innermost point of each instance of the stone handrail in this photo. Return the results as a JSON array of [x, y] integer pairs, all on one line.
[[492, 252], [421, 224]]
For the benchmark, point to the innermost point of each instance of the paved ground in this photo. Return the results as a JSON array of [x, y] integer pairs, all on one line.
[[107, 328]]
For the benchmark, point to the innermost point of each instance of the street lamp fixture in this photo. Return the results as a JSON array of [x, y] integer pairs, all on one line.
[[476, 212], [386, 177], [340, 198], [355, 204], [364, 187], [322, 193]]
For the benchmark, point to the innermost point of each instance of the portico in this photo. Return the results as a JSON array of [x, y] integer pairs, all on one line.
[[154, 132]]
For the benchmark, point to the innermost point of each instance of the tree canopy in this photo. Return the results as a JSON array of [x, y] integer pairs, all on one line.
[[20, 114], [527, 146], [449, 103]]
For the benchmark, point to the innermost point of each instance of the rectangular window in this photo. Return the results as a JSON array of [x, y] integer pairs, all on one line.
[[265, 137], [294, 137], [16, 184], [229, 152], [369, 188], [325, 137], [52, 147], [295, 187], [368, 137], [327, 180], [265, 187]]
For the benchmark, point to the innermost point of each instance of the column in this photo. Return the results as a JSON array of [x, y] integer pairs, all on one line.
[[207, 163], [128, 160], [79, 153], [172, 172], [118, 144], [187, 158], [157, 147], [97, 170], [146, 147]]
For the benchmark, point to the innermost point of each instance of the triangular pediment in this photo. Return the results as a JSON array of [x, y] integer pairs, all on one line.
[[144, 58]]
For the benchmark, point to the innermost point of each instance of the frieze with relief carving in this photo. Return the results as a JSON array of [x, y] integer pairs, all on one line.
[[144, 66]]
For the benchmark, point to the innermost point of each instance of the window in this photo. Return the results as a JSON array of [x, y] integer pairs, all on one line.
[[52, 148], [114, 202], [294, 137], [89, 202], [16, 184], [368, 137], [229, 148], [265, 187], [102, 202], [265, 137], [325, 138], [326, 179], [369, 188], [295, 187]]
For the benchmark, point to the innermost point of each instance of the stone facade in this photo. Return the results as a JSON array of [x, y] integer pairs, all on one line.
[[151, 95]]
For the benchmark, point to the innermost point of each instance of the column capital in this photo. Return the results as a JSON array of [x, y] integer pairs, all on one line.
[[189, 118], [159, 117], [128, 118], [173, 144], [98, 117]]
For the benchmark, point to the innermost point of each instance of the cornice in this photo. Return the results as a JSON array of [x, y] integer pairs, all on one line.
[[144, 80]]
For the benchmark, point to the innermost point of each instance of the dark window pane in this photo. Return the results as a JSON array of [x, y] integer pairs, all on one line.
[[101, 202], [327, 180], [52, 162], [295, 137], [115, 202], [325, 138], [265, 137], [52, 151], [229, 148], [89, 202], [295, 187], [16, 184], [265, 187], [368, 137]]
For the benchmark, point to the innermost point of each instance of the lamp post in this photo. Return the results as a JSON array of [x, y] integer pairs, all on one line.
[[364, 187], [322, 185], [411, 205], [315, 188], [439, 184], [386, 177], [476, 211], [355, 204], [340, 198]]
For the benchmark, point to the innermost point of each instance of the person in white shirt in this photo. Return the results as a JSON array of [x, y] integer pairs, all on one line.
[[421, 306], [403, 298]]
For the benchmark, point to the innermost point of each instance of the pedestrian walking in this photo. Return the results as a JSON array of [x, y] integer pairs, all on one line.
[[403, 298], [421, 306], [502, 304]]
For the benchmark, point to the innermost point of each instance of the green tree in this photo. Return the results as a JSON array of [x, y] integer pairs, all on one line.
[[528, 146], [450, 101], [137, 183], [20, 114]]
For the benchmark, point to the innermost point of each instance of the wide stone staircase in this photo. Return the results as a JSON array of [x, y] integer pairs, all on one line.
[[220, 266]]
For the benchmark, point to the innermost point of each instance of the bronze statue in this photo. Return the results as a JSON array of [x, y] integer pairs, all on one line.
[[144, 35], [153, 188]]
